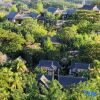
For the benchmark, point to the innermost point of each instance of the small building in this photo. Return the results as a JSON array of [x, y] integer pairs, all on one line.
[[65, 81], [19, 16], [11, 16], [91, 7], [68, 12], [54, 10], [15, 16], [78, 67], [52, 67]]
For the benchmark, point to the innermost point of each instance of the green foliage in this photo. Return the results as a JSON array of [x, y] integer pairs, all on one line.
[[38, 70], [90, 52], [39, 6], [67, 34], [10, 42], [88, 15], [96, 64], [83, 26], [54, 92], [29, 39], [19, 65], [48, 45], [32, 27], [14, 8]]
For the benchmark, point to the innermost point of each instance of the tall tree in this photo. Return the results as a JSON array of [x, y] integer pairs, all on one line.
[[39, 6]]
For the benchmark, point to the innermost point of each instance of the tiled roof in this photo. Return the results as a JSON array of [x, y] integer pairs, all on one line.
[[54, 40], [11, 15], [88, 7], [71, 11], [48, 63], [68, 80], [33, 15], [80, 66], [65, 80], [52, 9]]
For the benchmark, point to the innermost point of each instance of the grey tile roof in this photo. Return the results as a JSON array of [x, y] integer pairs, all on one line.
[[48, 63], [68, 80], [54, 40], [33, 15], [88, 7], [80, 66], [52, 9], [11, 15], [71, 11], [65, 80]]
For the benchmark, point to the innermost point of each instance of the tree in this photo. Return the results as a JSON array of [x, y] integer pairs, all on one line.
[[48, 46], [67, 34], [18, 65], [39, 6], [96, 64], [90, 52], [30, 26], [53, 92], [83, 27], [29, 39], [14, 8], [10, 42], [2, 15]]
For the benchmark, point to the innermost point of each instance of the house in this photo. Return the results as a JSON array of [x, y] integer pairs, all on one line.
[[78, 67], [54, 10], [11, 16], [68, 12], [15, 16], [34, 15], [91, 7], [65, 81], [52, 67], [19, 16]]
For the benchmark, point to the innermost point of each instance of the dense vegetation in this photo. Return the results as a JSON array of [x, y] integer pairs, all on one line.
[[21, 48]]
